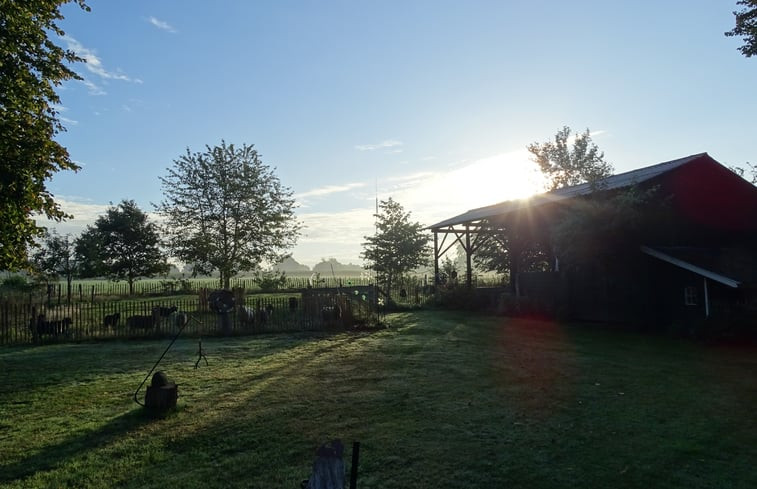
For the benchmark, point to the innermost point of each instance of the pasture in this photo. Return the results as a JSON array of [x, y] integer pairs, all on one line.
[[440, 399]]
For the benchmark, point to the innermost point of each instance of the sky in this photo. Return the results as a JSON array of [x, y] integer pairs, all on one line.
[[431, 103]]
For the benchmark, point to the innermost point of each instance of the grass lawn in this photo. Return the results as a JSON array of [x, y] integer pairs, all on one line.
[[438, 400]]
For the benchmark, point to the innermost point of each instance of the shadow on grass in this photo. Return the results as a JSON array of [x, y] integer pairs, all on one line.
[[53, 456]]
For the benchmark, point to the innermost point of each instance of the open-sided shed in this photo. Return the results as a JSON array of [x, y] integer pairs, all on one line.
[[711, 217]]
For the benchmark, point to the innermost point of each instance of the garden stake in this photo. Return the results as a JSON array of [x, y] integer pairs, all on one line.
[[201, 356]]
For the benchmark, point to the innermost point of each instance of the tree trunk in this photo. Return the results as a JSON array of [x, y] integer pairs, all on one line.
[[131, 285], [68, 288], [389, 280], [225, 280]]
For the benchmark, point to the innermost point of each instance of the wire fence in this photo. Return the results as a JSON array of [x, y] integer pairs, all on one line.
[[35, 320]]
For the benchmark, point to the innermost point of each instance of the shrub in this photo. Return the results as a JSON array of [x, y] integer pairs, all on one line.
[[270, 281], [16, 283], [461, 298]]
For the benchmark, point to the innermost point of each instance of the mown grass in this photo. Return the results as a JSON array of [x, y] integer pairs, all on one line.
[[438, 400]]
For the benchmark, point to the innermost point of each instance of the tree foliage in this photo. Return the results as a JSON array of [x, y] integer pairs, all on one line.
[[398, 246], [56, 258], [513, 251], [123, 244], [746, 27], [565, 165], [226, 210], [597, 229], [31, 66]]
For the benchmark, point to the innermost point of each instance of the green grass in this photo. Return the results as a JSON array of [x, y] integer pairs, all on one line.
[[438, 400]]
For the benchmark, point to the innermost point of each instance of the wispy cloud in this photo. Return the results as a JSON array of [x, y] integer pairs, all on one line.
[[329, 189], [334, 234], [389, 143], [93, 88], [411, 176], [429, 196], [61, 109], [95, 66], [161, 24], [85, 213]]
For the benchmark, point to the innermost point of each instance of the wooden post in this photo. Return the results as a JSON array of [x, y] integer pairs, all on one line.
[[354, 466], [328, 468], [468, 264], [436, 259]]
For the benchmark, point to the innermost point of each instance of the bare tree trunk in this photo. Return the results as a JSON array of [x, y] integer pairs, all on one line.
[[69, 278]]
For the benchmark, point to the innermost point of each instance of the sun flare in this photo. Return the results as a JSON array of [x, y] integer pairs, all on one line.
[[487, 181], [499, 178]]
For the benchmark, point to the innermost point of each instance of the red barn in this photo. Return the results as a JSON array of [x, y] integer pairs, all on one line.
[[672, 243]]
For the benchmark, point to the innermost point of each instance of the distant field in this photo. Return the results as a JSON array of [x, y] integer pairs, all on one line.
[[439, 400], [82, 289]]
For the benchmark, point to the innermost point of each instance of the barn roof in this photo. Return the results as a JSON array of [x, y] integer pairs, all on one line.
[[620, 180]]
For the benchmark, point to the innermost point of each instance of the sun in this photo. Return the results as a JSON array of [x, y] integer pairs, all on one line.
[[506, 176]]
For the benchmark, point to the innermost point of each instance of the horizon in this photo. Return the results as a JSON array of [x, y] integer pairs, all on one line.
[[432, 104]]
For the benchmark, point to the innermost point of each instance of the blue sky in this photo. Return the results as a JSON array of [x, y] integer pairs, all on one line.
[[429, 102]]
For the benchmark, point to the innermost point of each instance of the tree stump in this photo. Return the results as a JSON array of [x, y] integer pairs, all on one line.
[[328, 468], [161, 394]]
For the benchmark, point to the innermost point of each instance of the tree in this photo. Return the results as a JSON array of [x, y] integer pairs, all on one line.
[[742, 172], [597, 229], [520, 247], [517, 249], [746, 27], [398, 245], [123, 244], [56, 258], [225, 210], [87, 250], [31, 66], [564, 166]]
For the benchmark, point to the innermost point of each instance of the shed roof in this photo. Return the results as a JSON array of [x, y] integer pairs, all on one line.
[[620, 180]]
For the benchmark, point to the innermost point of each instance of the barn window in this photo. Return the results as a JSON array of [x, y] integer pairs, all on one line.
[[690, 295]]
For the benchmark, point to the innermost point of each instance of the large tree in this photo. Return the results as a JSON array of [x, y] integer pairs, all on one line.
[[56, 258], [31, 66], [565, 161], [564, 164], [226, 210], [398, 246], [123, 244], [746, 27]]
